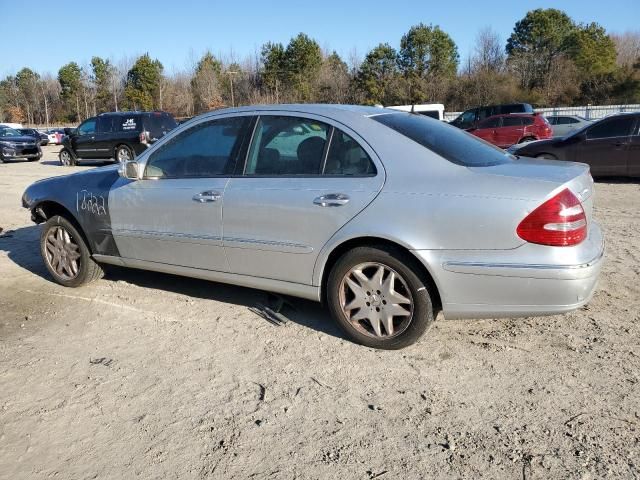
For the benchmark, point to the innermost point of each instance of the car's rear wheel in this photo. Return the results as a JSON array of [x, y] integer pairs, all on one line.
[[124, 154], [548, 156], [526, 139], [66, 255], [379, 298], [66, 158]]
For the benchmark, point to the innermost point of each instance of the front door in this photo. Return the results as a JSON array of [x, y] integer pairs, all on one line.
[[303, 180], [606, 146], [102, 143], [510, 132], [173, 215], [83, 139]]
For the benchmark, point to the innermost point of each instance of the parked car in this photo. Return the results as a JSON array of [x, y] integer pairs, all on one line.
[[433, 110], [14, 146], [470, 118], [119, 135], [43, 138], [386, 216], [564, 125], [55, 135], [611, 146], [506, 130]]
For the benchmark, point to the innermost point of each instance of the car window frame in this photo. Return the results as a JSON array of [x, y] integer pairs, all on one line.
[[634, 121], [188, 126], [241, 166], [95, 125]]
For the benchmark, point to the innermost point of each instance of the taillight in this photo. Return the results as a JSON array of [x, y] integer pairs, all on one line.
[[559, 222]]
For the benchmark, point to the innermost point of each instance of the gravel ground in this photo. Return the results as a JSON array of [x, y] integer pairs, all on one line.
[[155, 376]]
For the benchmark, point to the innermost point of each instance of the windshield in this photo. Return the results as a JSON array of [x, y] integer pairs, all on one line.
[[449, 142], [9, 132]]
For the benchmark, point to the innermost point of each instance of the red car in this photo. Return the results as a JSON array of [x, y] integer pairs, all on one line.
[[506, 130]]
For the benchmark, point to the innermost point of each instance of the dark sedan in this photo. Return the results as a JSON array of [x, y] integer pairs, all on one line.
[[32, 132], [611, 146], [14, 145]]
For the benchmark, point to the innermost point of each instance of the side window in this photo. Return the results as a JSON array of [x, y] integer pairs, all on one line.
[[616, 127], [511, 122], [552, 120], [88, 127], [484, 113], [347, 157], [490, 123], [206, 150], [526, 121], [103, 124], [287, 146]]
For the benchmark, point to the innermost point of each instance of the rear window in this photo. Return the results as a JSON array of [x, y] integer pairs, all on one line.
[[159, 124], [451, 143]]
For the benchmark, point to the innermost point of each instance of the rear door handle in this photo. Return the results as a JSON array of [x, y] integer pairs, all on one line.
[[207, 197], [331, 200]]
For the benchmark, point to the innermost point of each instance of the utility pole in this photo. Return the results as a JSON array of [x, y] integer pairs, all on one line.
[[231, 74]]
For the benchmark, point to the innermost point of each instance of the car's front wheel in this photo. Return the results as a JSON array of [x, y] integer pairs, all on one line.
[[124, 154], [66, 159], [66, 255], [379, 298]]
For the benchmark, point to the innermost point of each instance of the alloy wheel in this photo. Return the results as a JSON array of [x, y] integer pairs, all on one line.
[[65, 157], [62, 253], [123, 155], [376, 300]]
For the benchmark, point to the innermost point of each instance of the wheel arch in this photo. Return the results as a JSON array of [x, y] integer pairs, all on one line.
[[372, 241], [46, 209]]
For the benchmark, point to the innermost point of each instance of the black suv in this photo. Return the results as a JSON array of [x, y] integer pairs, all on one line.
[[470, 118], [118, 135]]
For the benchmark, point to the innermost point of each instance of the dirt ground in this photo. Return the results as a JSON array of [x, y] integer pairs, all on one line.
[[154, 376]]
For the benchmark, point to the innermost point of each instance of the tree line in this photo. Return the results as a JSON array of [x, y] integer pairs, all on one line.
[[548, 60]]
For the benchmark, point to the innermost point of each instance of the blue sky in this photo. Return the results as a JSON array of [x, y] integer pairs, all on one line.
[[45, 35]]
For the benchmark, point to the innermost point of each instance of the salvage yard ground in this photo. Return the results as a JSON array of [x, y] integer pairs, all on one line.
[[154, 376]]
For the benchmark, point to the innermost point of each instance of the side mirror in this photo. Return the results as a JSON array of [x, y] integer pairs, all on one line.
[[128, 170]]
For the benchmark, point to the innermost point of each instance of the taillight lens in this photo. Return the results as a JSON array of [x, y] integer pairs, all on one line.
[[560, 222]]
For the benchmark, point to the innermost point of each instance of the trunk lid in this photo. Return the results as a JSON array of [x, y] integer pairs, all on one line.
[[550, 176]]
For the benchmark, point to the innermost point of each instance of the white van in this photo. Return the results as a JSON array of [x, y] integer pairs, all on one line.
[[433, 110]]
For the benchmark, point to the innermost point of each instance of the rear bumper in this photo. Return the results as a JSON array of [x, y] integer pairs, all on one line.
[[526, 281]]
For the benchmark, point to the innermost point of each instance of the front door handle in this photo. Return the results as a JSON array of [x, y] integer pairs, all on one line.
[[331, 200], [207, 197]]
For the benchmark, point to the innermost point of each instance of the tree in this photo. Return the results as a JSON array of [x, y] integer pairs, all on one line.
[[333, 80], [142, 89], [70, 78], [206, 83], [592, 50], [627, 48], [102, 78], [302, 62], [27, 83], [536, 39], [274, 67], [377, 74], [428, 57]]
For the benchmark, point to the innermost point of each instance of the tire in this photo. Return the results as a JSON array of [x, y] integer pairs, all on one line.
[[406, 329], [59, 234], [123, 153], [547, 156], [526, 139], [66, 158]]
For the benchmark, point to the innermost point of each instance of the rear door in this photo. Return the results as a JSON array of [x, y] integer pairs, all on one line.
[[487, 129], [174, 214], [304, 178], [510, 132], [606, 146]]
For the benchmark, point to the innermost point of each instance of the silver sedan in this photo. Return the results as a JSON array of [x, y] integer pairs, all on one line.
[[388, 217]]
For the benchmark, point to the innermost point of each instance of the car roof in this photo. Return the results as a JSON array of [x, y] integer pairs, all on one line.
[[131, 112], [335, 111]]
